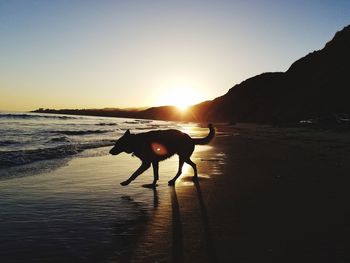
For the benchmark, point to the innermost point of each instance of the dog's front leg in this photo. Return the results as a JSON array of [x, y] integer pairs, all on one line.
[[144, 166], [155, 172]]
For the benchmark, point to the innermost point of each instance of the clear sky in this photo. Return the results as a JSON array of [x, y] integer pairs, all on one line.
[[95, 54]]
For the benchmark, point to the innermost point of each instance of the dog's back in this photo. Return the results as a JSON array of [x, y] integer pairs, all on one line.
[[162, 144]]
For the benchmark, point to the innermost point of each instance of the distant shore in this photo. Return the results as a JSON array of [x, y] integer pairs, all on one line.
[[165, 113]]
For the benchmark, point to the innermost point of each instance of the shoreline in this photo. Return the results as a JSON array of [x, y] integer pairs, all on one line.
[[277, 195]]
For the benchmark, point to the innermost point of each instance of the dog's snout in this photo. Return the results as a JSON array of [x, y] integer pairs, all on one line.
[[114, 151]]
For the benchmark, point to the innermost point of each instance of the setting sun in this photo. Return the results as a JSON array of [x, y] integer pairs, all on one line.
[[182, 97]]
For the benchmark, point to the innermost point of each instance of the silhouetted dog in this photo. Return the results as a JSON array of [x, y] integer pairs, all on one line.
[[155, 146]]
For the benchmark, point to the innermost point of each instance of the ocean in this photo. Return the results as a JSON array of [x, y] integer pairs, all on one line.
[[60, 195], [33, 142]]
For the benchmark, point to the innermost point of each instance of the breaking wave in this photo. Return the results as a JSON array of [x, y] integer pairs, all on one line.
[[81, 132], [21, 157], [107, 124], [7, 143]]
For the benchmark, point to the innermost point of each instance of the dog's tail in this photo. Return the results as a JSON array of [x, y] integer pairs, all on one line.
[[207, 139]]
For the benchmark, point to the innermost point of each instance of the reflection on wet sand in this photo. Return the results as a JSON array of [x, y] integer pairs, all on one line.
[[177, 241], [177, 227], [126, 234], [155, 197], [179, 230], [154, 244], [168, 238], [155, 193]]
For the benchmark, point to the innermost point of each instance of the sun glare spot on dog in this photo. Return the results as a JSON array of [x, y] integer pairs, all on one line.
[[158, 148]]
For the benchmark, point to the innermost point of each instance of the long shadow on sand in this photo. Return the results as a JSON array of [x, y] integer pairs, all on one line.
[[177, 231], [208, 237]]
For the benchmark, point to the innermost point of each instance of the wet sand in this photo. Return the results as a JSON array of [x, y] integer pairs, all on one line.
[[264, 194]]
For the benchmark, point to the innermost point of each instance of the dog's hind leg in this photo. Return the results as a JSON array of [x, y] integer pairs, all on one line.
[[181, 163], [153, 185], [144, 166], [194, 166]]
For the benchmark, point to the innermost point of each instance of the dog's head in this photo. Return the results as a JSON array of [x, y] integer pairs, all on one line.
[[123, 144]]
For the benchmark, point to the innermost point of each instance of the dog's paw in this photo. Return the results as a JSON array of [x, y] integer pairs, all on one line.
[[125, 183], [171, 182], [195, 179]]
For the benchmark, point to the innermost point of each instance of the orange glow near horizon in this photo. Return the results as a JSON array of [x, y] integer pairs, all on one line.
[[181, 97]]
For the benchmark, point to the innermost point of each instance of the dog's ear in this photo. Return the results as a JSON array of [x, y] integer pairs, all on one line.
[[127, 132]]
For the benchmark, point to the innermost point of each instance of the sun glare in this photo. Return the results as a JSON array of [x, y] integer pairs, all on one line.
[[182, 106], [181, 97]]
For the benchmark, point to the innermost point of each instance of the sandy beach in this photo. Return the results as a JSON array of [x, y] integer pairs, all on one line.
[[274, 195], [174, 131], [264, 194]]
